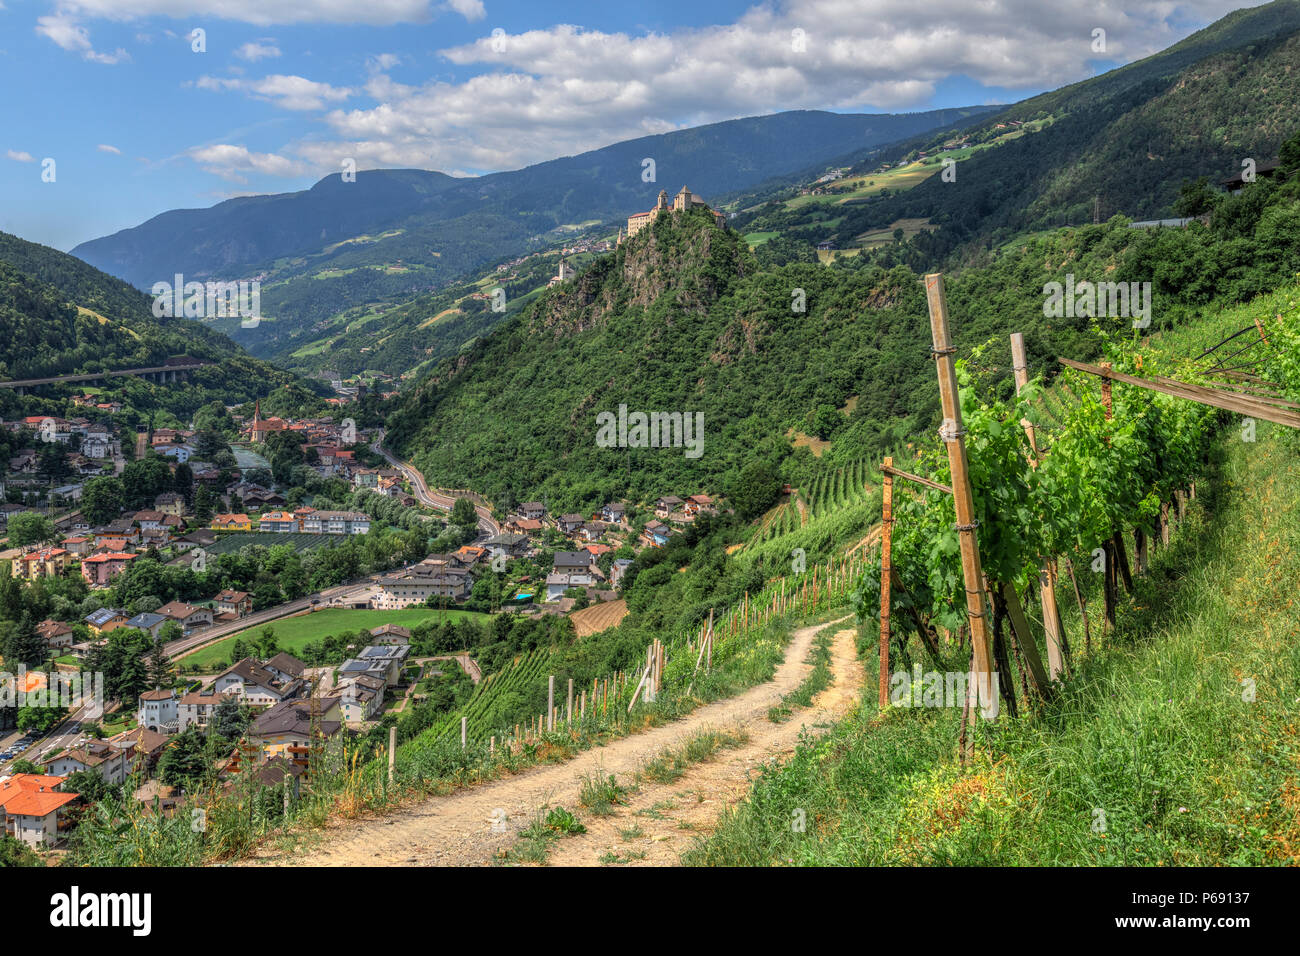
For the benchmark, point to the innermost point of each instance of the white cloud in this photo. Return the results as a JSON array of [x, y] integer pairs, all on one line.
[[105, 148], [562, 90], [269, 12], [287, 92], [234, 163], [66, 32], [383, 61], [19, 156], [258, 50], [469, 9]]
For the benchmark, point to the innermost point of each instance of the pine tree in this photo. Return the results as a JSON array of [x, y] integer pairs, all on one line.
[[159, 666], [25, 645]]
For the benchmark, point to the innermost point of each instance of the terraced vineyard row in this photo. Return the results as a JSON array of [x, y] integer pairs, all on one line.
[[498, 699]]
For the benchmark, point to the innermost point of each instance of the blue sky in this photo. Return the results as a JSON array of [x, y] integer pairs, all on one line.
[[137, 122]]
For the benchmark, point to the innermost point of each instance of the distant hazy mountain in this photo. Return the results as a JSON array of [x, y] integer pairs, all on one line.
[[394, 233]]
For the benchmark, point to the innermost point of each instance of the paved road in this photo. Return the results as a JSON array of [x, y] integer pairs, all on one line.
[[60, 738], [487, 526]]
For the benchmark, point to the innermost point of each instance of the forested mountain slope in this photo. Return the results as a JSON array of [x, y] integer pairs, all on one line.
[[682, 319], [1121, 143], [59, 316]]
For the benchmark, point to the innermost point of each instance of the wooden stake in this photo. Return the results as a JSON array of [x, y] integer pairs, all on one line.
[[550, 703], [953, 434], [1025, 639], [392, 753], [1046, 579], [1121, 551], [886, 527]]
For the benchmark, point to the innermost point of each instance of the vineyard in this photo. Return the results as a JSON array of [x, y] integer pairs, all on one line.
[[497, 699], [1055, 478], [842, 505], [297, 540], [829, 492]]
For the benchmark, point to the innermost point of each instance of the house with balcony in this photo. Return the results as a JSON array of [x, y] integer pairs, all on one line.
[[56, 634], [43, 563], [170, 503], [336, 522], [382, 661], [104, 620], [508, 545], [150, 622], [31, 806], [255, 685], [279, 522], [236, 521], [418, 585], [532, 510], [112, 764], [290, 729], [360, 697], [100, 569], [656, 534], [196, 709], [569, 561], [666, 505]]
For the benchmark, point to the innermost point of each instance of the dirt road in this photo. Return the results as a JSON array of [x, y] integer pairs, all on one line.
[[458, 829]]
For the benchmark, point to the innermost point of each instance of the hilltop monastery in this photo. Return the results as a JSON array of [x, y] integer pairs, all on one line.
[[682, 201]]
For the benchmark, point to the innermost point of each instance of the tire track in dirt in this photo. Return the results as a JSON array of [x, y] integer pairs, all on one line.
[[458, 829], [670, 816]]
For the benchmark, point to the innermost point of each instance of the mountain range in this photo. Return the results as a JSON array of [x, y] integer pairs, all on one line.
[[394, 233]]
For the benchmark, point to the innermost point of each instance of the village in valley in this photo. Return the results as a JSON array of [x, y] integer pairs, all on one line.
[[193, 570]]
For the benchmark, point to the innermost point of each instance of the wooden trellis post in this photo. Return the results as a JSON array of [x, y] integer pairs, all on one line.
[[550, 703], [953, 434], [1046, 573], [886, 527]]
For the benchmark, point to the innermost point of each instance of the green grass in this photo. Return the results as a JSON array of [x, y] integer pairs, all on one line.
[[535, 840], [601, 793], [673, 762], [818, 679], [293, 633], [1154, 754]]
